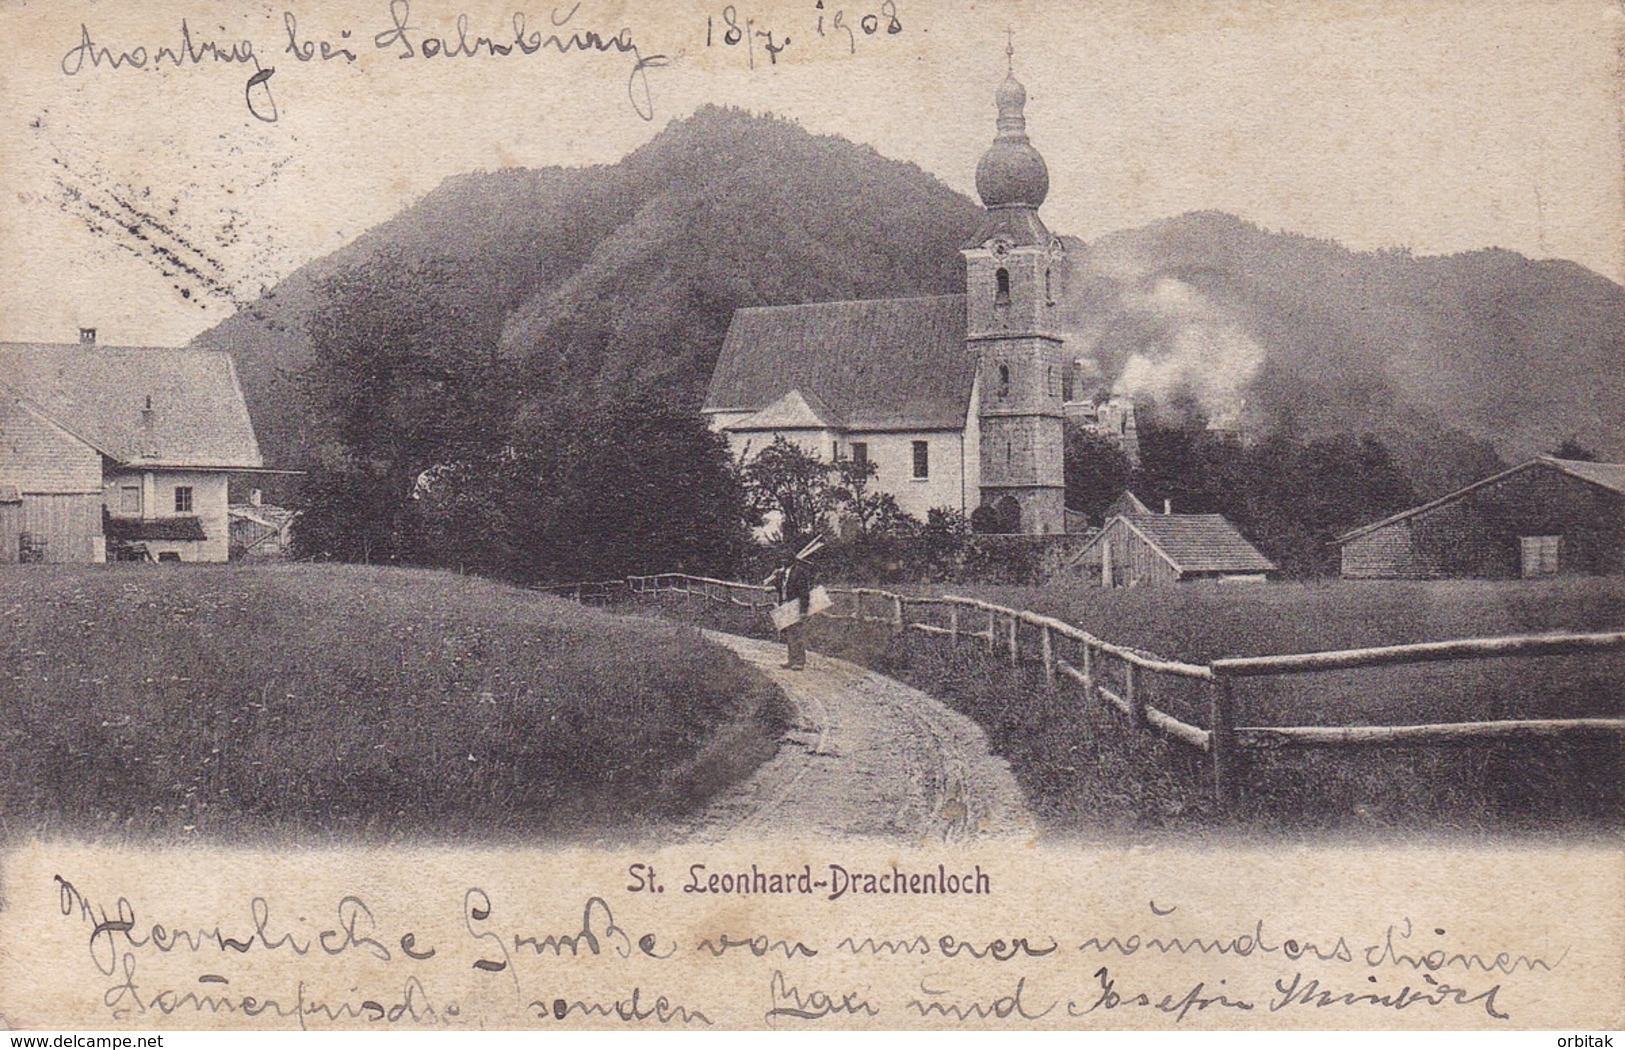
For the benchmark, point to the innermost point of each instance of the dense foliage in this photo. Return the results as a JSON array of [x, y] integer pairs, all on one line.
[[425, 460], [1291, 497]]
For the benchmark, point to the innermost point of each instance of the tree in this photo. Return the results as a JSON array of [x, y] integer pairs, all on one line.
[[799, 488], [1097, 470], [616, 489], [401, 380]]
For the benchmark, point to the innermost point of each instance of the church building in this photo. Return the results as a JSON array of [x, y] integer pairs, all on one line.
[[956, 400]]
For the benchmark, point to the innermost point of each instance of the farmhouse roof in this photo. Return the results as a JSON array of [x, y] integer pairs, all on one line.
[[872, 364], [102, 394], [1610, 476], [1195, 543]]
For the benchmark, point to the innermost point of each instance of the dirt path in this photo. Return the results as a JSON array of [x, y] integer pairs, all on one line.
[[866, 756]]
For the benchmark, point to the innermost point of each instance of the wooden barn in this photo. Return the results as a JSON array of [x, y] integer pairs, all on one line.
[[106, 448], [1540, 518], [1139, 549]]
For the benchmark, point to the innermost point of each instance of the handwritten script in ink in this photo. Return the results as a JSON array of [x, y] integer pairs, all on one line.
[[562, 33], [628, 954], [405, 33]]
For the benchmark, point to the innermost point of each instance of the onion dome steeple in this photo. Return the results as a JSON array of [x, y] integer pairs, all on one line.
[[1012, 175]]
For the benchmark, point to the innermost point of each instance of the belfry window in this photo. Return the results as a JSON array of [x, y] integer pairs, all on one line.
[[1002, 296], [1049, 290], [1004, 382]]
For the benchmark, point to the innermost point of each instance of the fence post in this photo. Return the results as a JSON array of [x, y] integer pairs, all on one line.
[[1015, 655], [992, 631], [1049, 656], [1131, 694], [897, 609], [1088, 671], [1222, 740], [953, 623]]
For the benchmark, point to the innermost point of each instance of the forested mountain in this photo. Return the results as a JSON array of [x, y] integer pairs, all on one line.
[[619, 280], [1288, 335]]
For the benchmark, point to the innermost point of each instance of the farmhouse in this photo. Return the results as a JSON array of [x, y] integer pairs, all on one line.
[[1139, 549], [115, 447], [1540, 518], [956, 400]]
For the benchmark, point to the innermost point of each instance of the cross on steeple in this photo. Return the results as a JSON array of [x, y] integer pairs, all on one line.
[[1010, 49]]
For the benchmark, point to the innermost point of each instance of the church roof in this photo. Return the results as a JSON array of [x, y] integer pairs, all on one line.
[[793, 411], [871, 364], [100, 394]]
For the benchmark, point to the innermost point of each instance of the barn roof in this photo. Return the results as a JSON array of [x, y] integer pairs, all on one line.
[[1197, 542], [1610, 476], [872, 364], [100, 394]]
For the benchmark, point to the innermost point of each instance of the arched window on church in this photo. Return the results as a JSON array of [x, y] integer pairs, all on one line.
[[1066, 384], [1004, 382], [1002, 295], [1049, 290]]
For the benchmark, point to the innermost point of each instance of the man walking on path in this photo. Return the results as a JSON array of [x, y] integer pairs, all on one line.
[[794, 581]]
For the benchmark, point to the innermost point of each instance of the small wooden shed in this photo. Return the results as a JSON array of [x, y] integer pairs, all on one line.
[[1135, 550]]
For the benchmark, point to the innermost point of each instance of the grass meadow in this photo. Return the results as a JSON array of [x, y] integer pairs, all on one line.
[[1085, 772], [229, 702]]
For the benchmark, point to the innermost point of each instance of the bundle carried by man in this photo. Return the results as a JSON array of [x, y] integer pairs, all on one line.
[[799, 594]]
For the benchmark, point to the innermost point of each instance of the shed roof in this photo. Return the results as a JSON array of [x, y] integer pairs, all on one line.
[[177, 528], [1610, 476], [100, 394], [1193, 543], [873, 364]]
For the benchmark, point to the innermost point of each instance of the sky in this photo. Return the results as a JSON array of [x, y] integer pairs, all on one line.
[[1432, 126]]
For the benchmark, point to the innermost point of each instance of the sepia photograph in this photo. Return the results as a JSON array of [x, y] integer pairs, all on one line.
[[801, 514]]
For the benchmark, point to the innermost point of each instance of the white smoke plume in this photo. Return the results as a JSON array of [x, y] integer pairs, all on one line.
[[1202, 354]]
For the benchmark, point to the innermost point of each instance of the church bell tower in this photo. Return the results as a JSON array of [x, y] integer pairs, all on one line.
[[1012, 273]]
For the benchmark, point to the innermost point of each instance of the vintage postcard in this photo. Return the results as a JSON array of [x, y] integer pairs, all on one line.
[[812, 514]]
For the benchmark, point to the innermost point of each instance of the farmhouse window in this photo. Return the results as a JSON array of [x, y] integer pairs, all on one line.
[[183, 499], [129, 500], [1540, 554], [860, 453], [922, 460]]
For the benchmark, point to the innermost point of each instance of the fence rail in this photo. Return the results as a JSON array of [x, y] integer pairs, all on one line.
[[1117, 675]]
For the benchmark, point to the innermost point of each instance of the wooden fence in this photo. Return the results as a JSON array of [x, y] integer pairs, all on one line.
[[1123, 677]]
